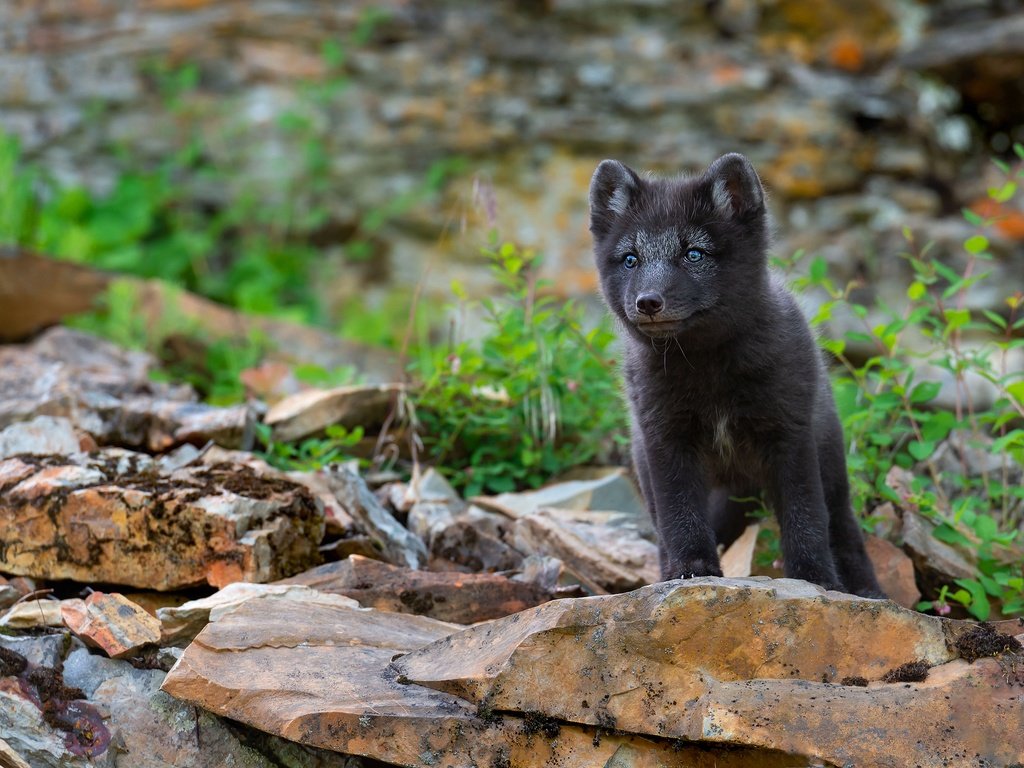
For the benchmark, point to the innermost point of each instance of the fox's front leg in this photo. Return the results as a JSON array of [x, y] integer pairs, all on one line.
[[799, 502], [680, 494]]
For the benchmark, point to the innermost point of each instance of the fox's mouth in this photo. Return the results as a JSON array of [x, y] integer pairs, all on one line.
[[659, 329]]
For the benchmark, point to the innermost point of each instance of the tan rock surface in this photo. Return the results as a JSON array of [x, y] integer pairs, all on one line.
[[36, 613], [895, 571], [462, 598], [738, 558], [36, 292], [115, 517], [181, 624], [742, 661], [321, 676], [111, 622], [309, 412]]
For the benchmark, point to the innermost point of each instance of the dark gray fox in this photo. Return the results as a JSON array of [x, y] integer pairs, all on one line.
[[727, 388]]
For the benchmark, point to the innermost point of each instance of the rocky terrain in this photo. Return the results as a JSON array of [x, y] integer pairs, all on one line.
[[863, 119], [168, 598]]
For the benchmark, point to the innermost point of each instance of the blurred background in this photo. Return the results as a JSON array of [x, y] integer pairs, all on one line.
[[324, 161]]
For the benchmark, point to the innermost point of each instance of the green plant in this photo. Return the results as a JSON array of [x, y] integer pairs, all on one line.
[[213, 368], [309, 454], [262, 244], [535, 394], [894, 367]]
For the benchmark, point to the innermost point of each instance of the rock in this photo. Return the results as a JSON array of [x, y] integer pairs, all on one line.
[[749, 662], [114, 517], [310, 412], [42, 650], [397, 545], [611, 491], [738, 558], [106, 392], [339, 522], [153, 730], [895, 571], [35, 613], [48, 722], [111, 622], [181, 624], [290, 342], [463, 537], [936, 561], [36, 293], [9, 594], [604, 550], [320, 675], [12, 590], [430, 486], [43, 434], [9, 758], [460, 598]]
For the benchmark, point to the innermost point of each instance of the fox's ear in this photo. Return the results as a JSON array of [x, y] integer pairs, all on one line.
[[612, 189], [735, 188]]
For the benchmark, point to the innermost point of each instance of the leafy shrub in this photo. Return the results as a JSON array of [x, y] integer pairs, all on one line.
[[534, 395], [889, 417]]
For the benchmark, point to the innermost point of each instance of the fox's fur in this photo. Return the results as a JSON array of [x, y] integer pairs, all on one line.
[[727, 389]]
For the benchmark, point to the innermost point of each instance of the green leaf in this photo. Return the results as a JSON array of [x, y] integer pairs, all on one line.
[[976, 244], [950, 535], [979, 605], [937, 425], [916, 291], [925, 392], [1016, 390], [997, 320], [985, 527], [921, 450], [971, 217], [1003, 193]]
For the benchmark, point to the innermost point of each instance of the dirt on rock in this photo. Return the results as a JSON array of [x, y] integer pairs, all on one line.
[[911, 672], [983, 641]]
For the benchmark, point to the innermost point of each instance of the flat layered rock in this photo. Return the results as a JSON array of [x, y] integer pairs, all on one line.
[[395, 543], [461, 598], [750, 662], [106, 391], [182, 623], [111, 622], [608, 490], [605, 551], [116, 517], [464, 537], [321, 676], [309, 412]]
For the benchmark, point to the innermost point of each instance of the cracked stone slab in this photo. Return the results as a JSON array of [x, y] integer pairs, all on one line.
[[321, 675], [461, 598], [751, 662]]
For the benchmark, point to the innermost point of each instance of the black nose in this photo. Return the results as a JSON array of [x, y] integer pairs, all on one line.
[[650, 303]]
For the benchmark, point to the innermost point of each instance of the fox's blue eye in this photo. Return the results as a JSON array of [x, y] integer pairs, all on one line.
[[694, 255], [630, 261]]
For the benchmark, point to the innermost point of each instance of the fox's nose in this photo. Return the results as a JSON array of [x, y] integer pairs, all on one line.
[[650, 303]]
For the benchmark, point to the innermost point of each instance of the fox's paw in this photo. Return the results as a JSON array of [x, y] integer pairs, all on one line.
[[691, 569]]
